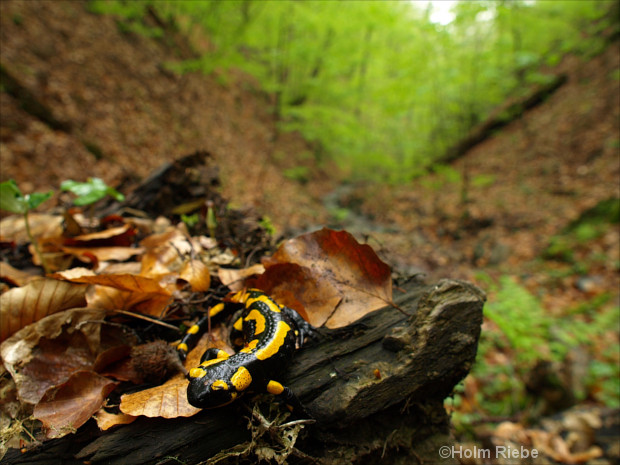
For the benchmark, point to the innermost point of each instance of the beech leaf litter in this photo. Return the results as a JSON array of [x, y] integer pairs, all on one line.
[[75, 340]]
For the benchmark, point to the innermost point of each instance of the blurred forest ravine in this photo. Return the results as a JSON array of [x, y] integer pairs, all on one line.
[[530, 213]]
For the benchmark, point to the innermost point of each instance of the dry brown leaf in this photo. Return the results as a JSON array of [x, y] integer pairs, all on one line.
[[66, 407], [197, 275], [13, 228], [121, 236], [73, 273], [22, 306], [549, 443], [15, 276], [207, 243], [296, 287], [110, 357], [165, 252], [55, 259], [103, 253], [107, 420], [233, 277], [46, 352], [124, 282], [337, 280], [119, 268], [170, 399], [113, 299]]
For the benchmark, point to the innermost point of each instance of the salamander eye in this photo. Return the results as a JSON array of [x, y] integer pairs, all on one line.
[[219, 385]]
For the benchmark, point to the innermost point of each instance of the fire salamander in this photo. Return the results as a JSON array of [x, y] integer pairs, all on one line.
[[270, 335]]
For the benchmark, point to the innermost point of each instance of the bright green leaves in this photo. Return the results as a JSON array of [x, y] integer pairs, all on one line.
[[379, 87], [90, 191], [12, 199]]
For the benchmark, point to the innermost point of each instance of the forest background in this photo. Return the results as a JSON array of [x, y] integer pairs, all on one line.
[[385, 92], [347, 114]]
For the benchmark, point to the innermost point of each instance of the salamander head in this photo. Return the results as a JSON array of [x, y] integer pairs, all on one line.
[[216, 385], [210, 387]]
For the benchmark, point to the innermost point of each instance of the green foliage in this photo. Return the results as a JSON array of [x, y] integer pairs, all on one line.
[[483, 180], [297, 173], [528, 334], [122, 9], [12, 199], [131, 16], [520, 317], [444, 175], [377, 86], [589, 226], [90, 191], [267, 225], [190, 220]]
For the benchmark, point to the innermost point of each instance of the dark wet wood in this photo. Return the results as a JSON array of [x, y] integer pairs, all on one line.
[[374, 388]]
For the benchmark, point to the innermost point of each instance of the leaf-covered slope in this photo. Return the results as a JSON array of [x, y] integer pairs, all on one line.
[[502, 201], [82, 96]]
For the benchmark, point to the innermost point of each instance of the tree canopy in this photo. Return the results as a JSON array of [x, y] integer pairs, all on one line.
[[377, 86]]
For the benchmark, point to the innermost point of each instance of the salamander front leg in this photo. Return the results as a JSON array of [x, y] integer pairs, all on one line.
[[213, 353]]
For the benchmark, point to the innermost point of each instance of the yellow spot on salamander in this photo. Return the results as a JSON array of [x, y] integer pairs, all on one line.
[[238, 325], [266, 300], [213, 361], [182, 346], [197, 373], [275, 388], [219, 385], [276, 342], [241, 379], [193, 329], [259, 318], [216, 309], [250, 346]]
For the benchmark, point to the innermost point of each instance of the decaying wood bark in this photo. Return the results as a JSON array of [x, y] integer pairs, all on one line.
[[375, 390]]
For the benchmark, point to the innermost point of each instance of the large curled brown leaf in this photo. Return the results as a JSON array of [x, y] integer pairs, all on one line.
[[126, 291], [45, 353], [335, 279], [22, 306], [66, 407]]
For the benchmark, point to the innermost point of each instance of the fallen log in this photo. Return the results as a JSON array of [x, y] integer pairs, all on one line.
[[375, 391], [504, 115]]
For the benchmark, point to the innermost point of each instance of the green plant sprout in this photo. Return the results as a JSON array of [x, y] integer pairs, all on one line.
[[12, 200], [90, 191], [211, 220], [190, 220]]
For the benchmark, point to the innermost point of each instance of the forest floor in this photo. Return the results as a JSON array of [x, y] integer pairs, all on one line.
[[114, 110]]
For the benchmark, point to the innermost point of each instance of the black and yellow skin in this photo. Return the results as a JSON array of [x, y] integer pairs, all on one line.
[[270, 334]]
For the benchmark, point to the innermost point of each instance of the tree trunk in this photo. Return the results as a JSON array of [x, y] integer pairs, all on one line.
[[375, 391]]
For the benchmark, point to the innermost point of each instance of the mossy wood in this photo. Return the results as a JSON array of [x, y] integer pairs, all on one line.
[[375, 389]]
